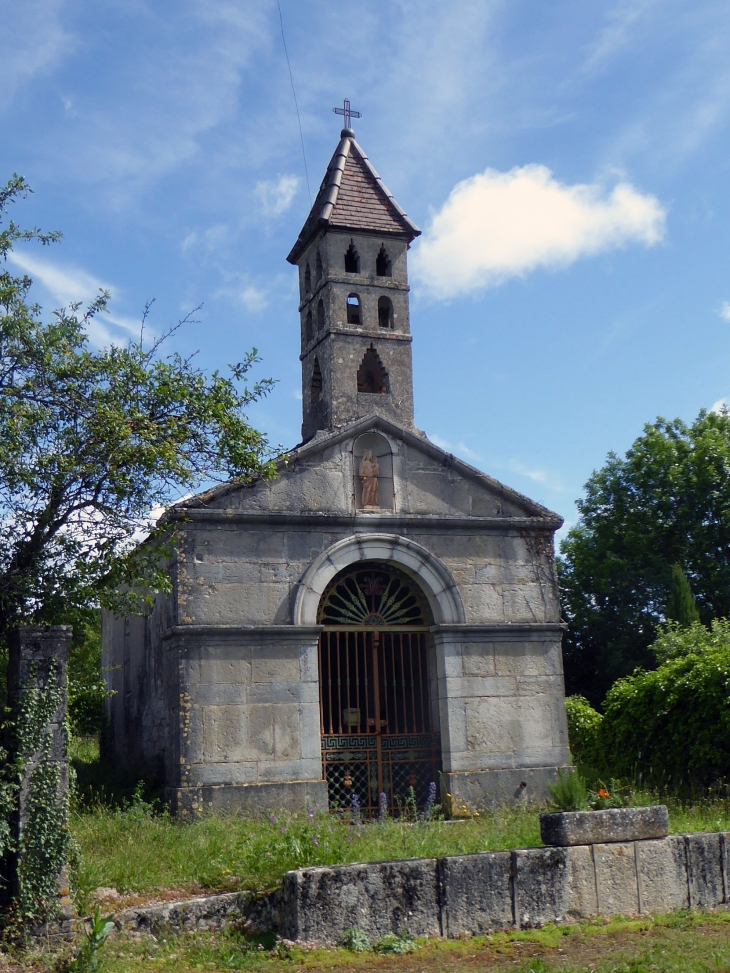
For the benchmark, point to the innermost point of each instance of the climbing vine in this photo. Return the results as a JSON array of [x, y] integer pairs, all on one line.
[[34, 796]]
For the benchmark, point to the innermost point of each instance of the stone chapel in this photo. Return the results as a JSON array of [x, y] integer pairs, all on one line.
[[381, 616]]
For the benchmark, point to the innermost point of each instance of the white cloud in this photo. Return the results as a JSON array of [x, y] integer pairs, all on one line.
[[67, 286], [277, 196], [720, 405], [497, 225], [33, 41], [456, 449], [724, 311], [253, 299]]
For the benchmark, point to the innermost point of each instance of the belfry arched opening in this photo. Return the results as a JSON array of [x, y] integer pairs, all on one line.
[[381, 749]]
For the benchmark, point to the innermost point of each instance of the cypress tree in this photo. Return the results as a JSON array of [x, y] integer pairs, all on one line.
[[681, 605]]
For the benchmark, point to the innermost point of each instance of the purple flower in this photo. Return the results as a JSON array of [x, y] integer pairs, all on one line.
[[315, 842], [355, 800], [383, 808], [272, 818], [282, 829]]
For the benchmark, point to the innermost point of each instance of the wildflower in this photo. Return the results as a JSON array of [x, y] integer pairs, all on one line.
[[383, 809], [329, 830], [349, 841], [602, 792], [272, 818], [282, 829], [355, 800]]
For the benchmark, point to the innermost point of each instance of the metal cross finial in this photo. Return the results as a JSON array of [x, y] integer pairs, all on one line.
[[347, 112]]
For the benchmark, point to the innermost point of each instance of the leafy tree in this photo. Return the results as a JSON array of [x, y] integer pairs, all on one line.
[[671, 726], [666, 502], [90, 440], [681, 605]]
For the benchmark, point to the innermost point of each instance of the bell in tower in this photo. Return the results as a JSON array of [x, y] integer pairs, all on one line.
[[353, 283]]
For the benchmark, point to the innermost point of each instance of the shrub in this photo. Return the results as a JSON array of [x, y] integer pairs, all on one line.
[[671, 727], [584, 725], [569, 792]]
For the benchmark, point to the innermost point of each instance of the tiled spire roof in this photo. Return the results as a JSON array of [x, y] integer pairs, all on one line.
[[352, 196]]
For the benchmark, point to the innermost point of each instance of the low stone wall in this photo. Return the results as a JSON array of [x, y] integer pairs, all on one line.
[[473, 894]]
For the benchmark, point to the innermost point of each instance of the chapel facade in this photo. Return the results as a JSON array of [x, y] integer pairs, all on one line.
[[381, 617]]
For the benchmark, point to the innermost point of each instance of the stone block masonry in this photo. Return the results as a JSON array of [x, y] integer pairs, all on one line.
[[35, 740], [525, 888]]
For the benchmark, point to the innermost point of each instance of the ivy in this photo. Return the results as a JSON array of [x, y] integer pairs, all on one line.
[[33, 776]]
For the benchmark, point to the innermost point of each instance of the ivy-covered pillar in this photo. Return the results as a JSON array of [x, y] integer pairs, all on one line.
[[36, 773]]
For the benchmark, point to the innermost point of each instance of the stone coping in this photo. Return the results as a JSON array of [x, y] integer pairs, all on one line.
[[564, 828]]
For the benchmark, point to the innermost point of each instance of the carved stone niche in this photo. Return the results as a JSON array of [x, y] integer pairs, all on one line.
[[373, 472]]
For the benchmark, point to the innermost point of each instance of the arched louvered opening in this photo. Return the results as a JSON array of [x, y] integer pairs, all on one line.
[[353, 309], [320, 316], [307, 279], [385, 312], [309, 326], [383, 264], [371, 375], [320, 269], [352, 259]]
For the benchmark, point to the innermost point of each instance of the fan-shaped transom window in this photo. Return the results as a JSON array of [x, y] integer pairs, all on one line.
[[373, 595]]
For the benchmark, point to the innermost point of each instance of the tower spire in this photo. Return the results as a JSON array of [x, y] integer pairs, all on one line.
[[353, 285]]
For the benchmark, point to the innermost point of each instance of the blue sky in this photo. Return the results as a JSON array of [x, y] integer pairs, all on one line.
[[567, 161]]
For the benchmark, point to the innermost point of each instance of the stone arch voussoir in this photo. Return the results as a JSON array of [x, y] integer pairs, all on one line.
[[434, 579]]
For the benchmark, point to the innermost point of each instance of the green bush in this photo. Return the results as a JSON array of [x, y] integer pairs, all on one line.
[[569, 792], [671, 727], [584, 726]]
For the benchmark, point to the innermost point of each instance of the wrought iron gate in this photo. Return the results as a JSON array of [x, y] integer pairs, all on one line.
[[375, 701]]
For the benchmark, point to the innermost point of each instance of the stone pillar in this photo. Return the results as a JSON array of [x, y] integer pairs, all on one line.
[[37, 760]]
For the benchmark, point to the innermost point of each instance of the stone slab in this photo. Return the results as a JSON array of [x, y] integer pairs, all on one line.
[[614, 824], [661, 867], [541, 886], [298, 795], [616, 882], [320, 904], [553, 885], [476, 893], [704, 864]]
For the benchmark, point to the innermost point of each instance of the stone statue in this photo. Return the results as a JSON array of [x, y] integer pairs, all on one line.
[[369, 471]]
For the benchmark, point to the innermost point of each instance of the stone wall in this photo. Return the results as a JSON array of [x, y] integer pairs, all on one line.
[[475, 894]]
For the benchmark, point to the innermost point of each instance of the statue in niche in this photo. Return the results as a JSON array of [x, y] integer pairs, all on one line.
[[369, 471]]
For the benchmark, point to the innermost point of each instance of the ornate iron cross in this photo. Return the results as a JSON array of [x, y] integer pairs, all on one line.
[[347, 112]]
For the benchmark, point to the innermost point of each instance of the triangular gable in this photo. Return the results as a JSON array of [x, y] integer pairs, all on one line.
[[320, 454], [353, 196]]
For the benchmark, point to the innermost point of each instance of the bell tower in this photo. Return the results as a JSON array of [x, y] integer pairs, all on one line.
[[353, 286]]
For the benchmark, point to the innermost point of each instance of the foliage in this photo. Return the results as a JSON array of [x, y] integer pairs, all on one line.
[[671, 726], [42, 849], [356, 941], [90, 440], [395, 944], [583, 731], [87, 960], [666, 502], [681, 605], [569, 792], [137, 852]]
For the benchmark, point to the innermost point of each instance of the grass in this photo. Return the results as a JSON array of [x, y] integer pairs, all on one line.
[[677, 943], [125, 841]]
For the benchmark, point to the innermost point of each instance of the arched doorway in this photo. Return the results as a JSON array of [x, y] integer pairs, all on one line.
[[378, 710]]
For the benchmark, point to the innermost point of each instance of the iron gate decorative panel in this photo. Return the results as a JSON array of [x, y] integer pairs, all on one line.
[[375, 703]]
